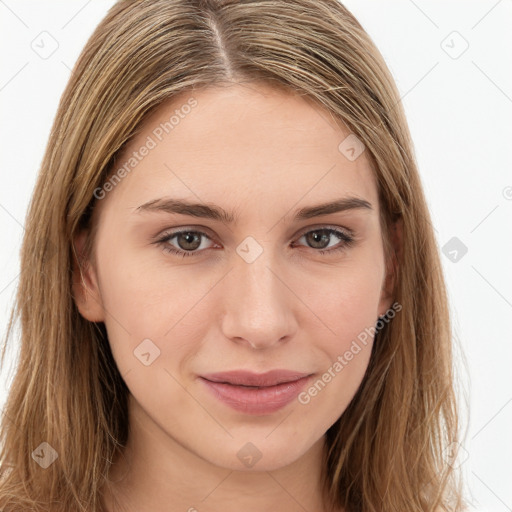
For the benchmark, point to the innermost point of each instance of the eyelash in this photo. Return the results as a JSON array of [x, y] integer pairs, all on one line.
[[347, 239]]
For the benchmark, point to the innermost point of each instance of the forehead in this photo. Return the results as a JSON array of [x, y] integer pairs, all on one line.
[[241, 140]]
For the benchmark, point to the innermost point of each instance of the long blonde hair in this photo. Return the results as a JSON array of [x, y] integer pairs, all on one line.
[[387, 452]]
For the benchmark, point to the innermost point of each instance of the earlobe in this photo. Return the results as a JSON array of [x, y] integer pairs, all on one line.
[[86, 292]]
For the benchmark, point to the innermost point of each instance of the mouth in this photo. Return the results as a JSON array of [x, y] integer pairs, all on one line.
[[253, 393]]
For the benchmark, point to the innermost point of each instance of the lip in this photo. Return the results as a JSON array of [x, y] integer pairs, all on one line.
[[254, 393]]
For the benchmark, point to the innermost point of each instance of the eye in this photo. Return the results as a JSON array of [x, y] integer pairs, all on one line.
[[322, 239], [190, 242]]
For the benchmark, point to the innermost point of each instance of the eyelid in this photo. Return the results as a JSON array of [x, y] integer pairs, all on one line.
[[315, 227], [172, 232], [169, 232]]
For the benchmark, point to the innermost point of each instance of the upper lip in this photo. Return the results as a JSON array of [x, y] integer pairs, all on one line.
[[247, 378]]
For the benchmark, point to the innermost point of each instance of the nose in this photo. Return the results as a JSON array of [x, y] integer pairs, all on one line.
[[258, 304]]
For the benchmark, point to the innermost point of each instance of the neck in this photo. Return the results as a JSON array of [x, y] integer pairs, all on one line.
[[155, 473]]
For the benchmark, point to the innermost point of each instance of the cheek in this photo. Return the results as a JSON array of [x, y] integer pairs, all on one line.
[[141, 304], [148, 300], [348, 301], [348, 306]]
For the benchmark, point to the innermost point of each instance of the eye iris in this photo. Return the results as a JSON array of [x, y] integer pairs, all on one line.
[[190, 238], [315, 238]]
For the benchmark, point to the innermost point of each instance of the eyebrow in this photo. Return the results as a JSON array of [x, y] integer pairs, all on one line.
[[203, 210]]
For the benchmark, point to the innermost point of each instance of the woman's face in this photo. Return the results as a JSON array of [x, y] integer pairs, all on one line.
[[259, 284]]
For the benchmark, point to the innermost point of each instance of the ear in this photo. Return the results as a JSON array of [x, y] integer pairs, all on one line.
[[86, 292], [392, 267]]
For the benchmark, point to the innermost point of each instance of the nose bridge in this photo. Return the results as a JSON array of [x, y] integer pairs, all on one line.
[[257, 306], [257, 280]]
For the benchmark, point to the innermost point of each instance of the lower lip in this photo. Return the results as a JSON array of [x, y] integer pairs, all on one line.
[[251, 400]]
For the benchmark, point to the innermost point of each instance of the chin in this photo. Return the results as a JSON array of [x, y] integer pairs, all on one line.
[[261, 452]]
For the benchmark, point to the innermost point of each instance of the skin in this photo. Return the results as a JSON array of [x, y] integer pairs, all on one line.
[[262, 154]]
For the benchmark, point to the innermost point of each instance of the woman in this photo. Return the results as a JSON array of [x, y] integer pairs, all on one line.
[[230, 291]]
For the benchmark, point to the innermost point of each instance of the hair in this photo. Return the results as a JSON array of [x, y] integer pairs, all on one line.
[[387, 451]]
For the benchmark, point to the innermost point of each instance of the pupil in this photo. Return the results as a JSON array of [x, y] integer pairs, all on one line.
[[317, 238], [190, 238]]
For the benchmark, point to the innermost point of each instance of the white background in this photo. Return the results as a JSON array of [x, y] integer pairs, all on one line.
[[459, 112]]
